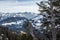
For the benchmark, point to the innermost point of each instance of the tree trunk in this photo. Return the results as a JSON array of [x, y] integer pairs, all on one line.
[[31, 31], [53, 22], [53, 34], [34, 38]]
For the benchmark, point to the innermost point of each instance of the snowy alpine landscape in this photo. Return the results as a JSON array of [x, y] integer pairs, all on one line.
[[15, 21], [29, 19]]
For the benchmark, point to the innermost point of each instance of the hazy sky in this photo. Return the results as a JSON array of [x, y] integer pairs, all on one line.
[[18, 6]]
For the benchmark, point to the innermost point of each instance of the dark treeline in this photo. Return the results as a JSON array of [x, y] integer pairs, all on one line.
[[6, 34], [9, 35]]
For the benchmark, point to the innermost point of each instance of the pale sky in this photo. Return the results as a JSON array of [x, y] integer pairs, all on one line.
[[14, 6]]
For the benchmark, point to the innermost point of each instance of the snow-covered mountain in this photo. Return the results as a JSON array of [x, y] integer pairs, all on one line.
[[15, 21]]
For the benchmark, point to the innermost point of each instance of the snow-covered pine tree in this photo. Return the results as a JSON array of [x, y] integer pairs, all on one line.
[[51, 11]]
